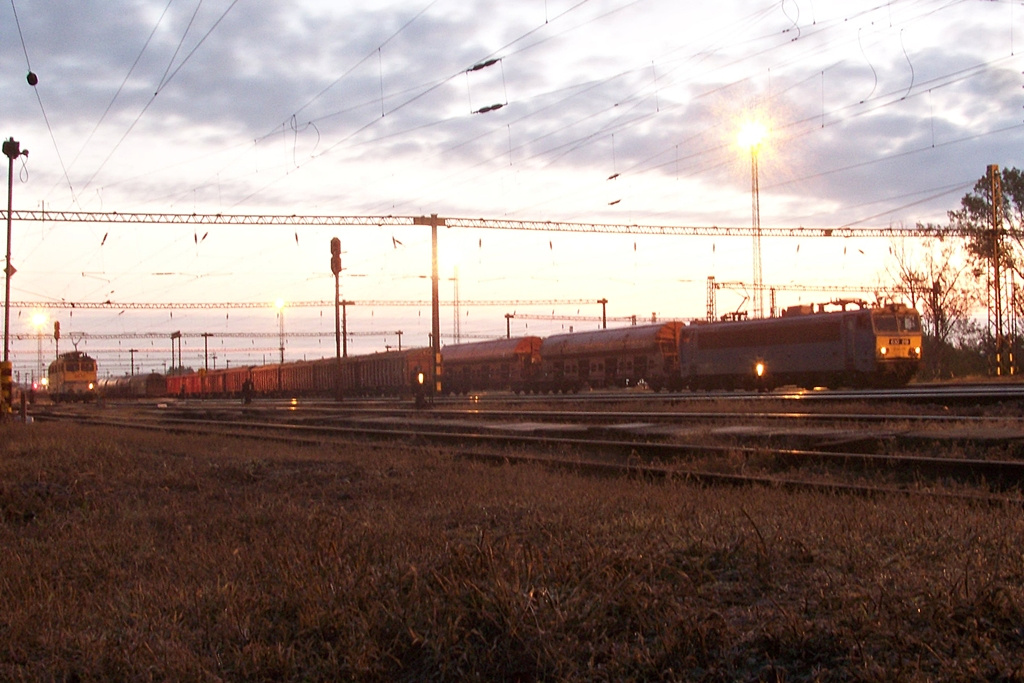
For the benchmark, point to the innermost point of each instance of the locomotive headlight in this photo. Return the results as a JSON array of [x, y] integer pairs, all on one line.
[[91, 386], [917, 351], [884, 350], [759, 369], [419, 378]]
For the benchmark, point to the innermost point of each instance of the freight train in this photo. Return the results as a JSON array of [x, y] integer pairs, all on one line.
[[807, 346], [71, 377]]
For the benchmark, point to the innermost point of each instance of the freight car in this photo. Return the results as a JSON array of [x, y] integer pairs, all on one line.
[[390, 373], [620, 357], [72, 377], [491, 365], [806, 346], [153, 385]]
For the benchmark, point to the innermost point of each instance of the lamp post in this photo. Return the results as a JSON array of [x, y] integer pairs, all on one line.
[[12, 150], [752, 136]]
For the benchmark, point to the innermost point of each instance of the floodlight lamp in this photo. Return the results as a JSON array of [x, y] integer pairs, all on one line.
[[752, 135]]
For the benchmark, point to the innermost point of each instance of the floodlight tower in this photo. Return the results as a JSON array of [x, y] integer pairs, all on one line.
[[752, 136]]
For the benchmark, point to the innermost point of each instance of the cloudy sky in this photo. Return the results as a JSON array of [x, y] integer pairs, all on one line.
[[617, 111]]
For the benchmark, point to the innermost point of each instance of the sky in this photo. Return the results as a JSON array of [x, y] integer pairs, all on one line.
[[595, 111]]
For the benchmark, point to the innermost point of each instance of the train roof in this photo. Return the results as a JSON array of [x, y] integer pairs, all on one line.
[[797, 316], [74, 355], [492, 349], [616, 339]]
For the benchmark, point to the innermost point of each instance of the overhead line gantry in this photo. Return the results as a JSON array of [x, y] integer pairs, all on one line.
[[50, 216], [410, 303]]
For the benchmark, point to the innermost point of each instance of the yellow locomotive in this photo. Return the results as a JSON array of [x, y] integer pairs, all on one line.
[[72, 377]]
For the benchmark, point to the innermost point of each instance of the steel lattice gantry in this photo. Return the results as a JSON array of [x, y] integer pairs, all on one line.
[[450, 222]]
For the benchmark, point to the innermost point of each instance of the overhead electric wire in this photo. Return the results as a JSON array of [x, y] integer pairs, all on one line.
[[419, 95], [164, 81], [120, 88], [39, 98]]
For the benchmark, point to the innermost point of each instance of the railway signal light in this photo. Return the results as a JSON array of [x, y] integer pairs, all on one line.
[[335, 255]]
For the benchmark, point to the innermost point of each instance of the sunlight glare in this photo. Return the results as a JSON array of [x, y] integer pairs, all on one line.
[[752, 135]]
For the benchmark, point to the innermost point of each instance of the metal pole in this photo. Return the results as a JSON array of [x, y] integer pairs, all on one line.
[[280, 320], [344, 328], [755, 191], [337, 317], [435, 306], [11, 150]]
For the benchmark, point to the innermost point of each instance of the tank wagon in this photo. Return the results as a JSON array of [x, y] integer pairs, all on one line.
[[153, 385], [619, 357], [72, 377], [491, 365], [806, 346]]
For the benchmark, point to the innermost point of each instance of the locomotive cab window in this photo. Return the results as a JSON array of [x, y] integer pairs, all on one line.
[[886, 323], [910, 323]]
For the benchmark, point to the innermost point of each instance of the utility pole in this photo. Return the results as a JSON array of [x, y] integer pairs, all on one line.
[[1000, 312], [435, 307], [206, 351], [344, 327], [336, 270]]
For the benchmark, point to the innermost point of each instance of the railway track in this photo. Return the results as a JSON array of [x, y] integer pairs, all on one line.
[[966, 394], [621, 449]]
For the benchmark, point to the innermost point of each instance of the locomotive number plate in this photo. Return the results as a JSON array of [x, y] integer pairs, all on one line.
[[899, 341]]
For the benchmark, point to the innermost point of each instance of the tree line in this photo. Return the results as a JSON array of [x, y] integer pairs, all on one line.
[[948, 279]]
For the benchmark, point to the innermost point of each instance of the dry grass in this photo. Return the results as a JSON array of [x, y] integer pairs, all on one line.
[[129, 557]]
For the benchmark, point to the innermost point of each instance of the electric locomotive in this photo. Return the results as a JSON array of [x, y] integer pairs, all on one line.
[[807, 346], [72, 377]]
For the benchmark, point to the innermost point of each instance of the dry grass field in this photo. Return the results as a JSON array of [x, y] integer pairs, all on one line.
[[128, 556]]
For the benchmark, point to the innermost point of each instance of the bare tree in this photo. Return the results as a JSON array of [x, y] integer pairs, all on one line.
[[943, 283]]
